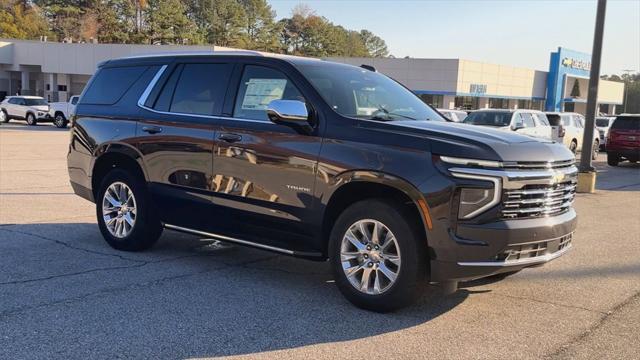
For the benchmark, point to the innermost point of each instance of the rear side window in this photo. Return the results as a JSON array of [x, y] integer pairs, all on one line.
[[13, 101], [554, 119], [626, 123], [201, 89], [542, 119], [109, 84], [566, 120]]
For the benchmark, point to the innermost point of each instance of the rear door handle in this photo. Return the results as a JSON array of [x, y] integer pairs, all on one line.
[[230, 138], [152, 129]]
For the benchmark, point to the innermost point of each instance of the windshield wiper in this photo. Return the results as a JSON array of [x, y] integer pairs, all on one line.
[[388, 118]]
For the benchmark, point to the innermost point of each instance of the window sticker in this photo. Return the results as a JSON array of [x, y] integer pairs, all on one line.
[[260, 92]]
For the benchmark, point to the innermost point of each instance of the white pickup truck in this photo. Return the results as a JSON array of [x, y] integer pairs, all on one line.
[[62, 111]]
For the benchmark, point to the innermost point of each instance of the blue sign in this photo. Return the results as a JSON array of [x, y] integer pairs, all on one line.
[[563, 63]]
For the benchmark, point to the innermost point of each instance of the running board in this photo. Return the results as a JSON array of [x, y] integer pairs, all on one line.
[[243, 242]]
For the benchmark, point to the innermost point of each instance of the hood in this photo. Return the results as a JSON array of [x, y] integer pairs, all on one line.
[[43, 108], [479, 142]]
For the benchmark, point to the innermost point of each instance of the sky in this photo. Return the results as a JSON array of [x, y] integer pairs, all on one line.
[[517, 32]]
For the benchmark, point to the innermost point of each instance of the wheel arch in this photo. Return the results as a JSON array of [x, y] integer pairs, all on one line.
[[360, 185], [115, 155]]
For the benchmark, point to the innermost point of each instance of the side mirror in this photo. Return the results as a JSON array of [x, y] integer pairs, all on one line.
[[291, 113], [517, 126]]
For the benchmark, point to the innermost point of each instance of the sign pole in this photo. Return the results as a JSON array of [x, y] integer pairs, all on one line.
[[587, 174]]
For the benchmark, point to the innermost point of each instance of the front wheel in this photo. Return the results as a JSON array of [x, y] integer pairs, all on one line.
[[4, 117], [573, 146], [126, 217], [379, 259], [596, 150], [60, 121], [31, 119]]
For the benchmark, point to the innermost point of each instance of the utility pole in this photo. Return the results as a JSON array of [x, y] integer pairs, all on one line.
[[587, 174], [626, 87]]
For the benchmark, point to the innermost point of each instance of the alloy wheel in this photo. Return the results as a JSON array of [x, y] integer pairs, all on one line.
[[370, 256], [119, 209], [59, 121]]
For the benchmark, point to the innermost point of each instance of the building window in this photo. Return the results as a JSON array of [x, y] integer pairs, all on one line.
[[537, 104], [569, 107], [498, 103], [437, 101], [524, 104], [466, 102], [62, 87]]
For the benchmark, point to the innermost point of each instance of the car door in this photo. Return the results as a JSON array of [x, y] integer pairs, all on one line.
[[9, 106], [578, 121], [264, 173], [175, 135], [20, 108]]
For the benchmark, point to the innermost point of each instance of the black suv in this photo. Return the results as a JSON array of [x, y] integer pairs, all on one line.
[[318, 160]]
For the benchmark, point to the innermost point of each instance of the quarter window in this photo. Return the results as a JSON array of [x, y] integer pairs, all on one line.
[[258, 87], [201, 89], [110, 84]]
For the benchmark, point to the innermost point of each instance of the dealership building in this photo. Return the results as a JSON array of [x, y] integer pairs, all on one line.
[[57, 71]]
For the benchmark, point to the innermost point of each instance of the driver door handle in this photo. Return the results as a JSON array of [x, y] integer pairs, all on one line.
[[230, 138], [152, 129]]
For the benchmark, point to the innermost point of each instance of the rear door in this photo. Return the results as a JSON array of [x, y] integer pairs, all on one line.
[[264, 173], [176, 137]]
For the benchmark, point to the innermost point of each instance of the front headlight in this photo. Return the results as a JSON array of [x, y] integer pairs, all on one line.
[[40, 113], [474, 201]]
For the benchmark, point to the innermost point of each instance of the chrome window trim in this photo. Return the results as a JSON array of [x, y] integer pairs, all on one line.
[[147, 91], [497, 191]]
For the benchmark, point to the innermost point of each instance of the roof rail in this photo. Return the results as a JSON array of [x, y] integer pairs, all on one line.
[[195, 53]]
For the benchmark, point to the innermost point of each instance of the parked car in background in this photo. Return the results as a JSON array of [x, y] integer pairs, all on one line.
[[526, 122], [62, 111], [30, 108], [453, 115], [603, 123], [572, 129], [277, 153], [623, 142]]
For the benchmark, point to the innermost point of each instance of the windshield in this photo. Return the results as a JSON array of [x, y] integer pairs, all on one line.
[[360, 93], [489, 118], [602, 122], [35, 102]]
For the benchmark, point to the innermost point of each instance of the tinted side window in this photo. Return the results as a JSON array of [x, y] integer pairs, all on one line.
[[528, 120], [110, 84], [259, 86], [13, 101], [163, 102], [542, 119], [201, 89], [74, 100], [626, 123], [578, 121], [566, 120]]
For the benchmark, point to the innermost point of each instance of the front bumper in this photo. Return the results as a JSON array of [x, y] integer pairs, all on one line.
[[504, 238]]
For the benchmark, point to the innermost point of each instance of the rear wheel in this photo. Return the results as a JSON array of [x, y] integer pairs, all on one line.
[[126, 217], [612, 158], [31, 119], [60, 121], [379, 260]]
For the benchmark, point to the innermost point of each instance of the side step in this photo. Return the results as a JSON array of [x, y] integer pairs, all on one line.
[[243, 242]]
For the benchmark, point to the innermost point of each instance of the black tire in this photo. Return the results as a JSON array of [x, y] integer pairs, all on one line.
[[596, 150], [412, 275], [573, 146], [60, 121], [613, 159], [147, 227], [31, 120], [6, 117]]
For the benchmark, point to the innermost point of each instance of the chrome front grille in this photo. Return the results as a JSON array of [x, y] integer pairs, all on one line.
[[538, 200], [531, 165]]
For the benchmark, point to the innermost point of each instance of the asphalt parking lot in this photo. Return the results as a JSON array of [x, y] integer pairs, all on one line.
[[65, 294]]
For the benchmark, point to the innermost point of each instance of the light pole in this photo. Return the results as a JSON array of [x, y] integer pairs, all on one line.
[[626, 87], [587, 174]]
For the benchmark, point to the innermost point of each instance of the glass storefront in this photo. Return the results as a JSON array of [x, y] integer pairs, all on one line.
[[437, 101], [466, 102], [498, 103]]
